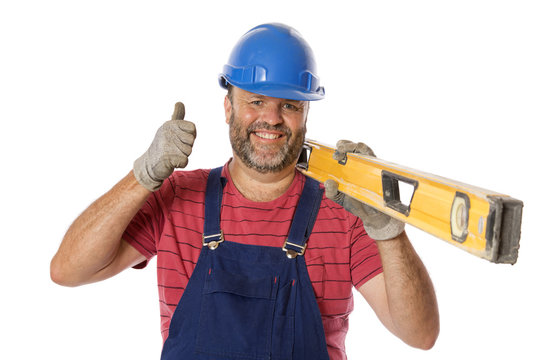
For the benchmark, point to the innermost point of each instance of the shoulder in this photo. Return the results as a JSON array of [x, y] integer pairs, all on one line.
[[190, 176], [334, 210], [329, 209], [192, 179], [179, 183]]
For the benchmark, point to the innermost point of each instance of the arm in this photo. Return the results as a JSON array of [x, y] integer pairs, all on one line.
[[403, 296], [92, 249]]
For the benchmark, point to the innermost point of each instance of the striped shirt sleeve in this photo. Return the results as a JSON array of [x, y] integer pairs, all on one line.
[[365, 259], [147, 225]]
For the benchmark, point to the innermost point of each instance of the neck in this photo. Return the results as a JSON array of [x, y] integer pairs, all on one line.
[[260, 187]]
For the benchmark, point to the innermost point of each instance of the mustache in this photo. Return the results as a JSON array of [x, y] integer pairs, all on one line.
[[261, 125]]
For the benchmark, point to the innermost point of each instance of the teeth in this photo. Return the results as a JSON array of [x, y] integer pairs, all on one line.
[[267, 135]]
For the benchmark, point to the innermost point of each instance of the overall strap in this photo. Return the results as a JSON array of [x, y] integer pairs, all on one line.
[[302, 223], [213, 235], [304, 218]]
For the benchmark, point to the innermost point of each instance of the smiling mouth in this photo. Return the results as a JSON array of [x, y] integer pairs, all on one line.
[[266, 135]]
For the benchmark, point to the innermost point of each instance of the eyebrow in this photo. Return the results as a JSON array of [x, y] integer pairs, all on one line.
[[251, 96]]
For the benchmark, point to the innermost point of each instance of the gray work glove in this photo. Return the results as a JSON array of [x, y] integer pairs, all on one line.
[[169, 150], [378, 225]]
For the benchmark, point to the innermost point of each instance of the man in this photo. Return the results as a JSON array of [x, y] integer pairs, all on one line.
[[253, 260]]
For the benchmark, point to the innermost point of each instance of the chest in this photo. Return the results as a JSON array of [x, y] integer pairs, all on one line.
[[327, 254]]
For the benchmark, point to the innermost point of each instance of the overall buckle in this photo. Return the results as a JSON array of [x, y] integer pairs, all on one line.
[[291, 254], [213, 244]]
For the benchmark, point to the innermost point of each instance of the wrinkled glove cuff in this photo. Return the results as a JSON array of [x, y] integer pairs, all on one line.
[[377, 224], [388, 232], [142, 174]]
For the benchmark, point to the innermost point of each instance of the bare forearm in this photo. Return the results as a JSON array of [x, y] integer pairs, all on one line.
[[411, 298], [94, 238]]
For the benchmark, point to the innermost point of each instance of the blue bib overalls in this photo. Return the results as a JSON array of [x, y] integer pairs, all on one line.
[[249, 302]]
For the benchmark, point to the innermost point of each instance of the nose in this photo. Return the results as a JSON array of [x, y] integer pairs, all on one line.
[[273, 114]]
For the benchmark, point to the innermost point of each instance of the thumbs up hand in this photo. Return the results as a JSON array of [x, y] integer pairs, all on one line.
[[170, 149]]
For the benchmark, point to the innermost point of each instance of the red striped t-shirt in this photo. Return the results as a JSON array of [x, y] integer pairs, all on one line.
[[339, 253]]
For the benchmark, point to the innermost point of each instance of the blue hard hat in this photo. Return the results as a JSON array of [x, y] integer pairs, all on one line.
[[273, 60]]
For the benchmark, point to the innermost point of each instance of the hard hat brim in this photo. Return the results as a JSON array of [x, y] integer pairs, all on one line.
[[275, 90]]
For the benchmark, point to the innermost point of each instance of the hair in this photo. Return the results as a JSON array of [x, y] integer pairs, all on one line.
[[229, 92]]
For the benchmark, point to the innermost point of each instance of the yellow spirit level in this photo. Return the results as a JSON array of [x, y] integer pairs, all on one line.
[[482, 222]]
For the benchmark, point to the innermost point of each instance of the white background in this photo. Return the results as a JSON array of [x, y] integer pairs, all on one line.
[[448, 87]]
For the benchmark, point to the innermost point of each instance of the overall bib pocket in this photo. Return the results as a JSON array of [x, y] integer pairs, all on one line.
[[236, 315]]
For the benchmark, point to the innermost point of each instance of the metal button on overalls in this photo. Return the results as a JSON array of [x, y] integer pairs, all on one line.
[[249, 302]]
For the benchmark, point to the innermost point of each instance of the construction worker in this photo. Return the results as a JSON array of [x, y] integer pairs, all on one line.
[[254, 260]]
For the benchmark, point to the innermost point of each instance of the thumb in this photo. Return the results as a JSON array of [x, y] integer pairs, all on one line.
[[331, 189], [332, 192], [179, 111]]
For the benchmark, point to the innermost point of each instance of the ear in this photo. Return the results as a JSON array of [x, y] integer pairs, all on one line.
[[306, 113], [228, 109]]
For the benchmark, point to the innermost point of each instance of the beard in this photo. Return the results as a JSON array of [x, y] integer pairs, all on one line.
[[265, 158]]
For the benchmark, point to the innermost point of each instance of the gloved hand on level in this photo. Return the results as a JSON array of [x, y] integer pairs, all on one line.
[[170, 149], [378, 225]]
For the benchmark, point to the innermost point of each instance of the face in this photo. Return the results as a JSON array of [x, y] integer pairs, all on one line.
[[266, 133]]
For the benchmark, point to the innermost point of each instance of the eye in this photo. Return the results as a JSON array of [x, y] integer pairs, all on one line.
[[292, 107], [257, 102]]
